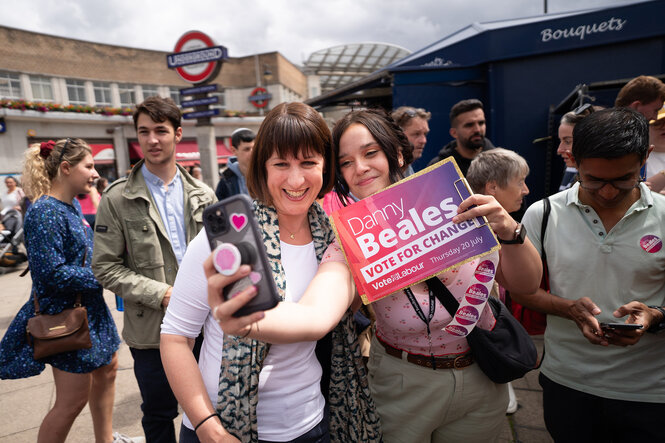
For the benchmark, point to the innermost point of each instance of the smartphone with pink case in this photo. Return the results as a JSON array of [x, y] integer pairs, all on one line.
[[235, 239]]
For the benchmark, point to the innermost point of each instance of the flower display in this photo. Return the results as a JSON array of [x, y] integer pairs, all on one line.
[[25, 105]]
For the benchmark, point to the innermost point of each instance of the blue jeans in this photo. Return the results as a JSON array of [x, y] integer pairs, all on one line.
[[319, 434], [188, 435], [159, 405]]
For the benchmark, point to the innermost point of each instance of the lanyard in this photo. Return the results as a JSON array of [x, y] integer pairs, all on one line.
[[421, 315], [419, 311]]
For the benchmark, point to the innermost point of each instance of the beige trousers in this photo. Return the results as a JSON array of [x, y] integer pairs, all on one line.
[[421, 405]]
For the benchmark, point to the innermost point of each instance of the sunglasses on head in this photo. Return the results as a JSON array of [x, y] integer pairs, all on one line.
[[584, 109], [64, 148]]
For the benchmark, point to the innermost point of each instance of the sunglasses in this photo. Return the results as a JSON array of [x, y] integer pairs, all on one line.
[[584, 109], [64, 148]]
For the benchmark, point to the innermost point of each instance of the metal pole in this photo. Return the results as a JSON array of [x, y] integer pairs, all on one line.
[[258, 77]]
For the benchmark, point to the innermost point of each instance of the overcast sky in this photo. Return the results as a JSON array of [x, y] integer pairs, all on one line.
[[296, 28]]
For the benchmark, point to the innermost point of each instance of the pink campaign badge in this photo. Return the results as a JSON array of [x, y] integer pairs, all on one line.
[[467, 315], [485, 271], [476, 294], [456, 330], [651, 243]]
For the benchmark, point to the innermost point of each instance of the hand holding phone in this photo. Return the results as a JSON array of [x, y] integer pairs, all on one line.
[[621, 326], [236, 239]]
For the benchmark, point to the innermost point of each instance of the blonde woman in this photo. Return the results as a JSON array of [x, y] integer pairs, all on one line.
[[59, 245]]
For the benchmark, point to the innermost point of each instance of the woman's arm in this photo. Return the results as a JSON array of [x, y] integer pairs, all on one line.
[[187, 385], [186, 314], [520, 268], [657, 182], [328, 296]]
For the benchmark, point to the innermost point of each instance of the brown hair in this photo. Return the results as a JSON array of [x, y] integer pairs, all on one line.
[[384, 131], [159, 109], [644, 89], [289, 129], [41, 167]]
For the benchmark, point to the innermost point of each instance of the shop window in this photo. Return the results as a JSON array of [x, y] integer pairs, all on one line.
[[10, 85], [76, 92], [127, 96], [175, 95], [42, 90], [149, 91], [102, 93]]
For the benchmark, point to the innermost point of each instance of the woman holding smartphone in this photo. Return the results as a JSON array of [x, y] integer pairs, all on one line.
[[455, 402], [59, 245], [271, 393]]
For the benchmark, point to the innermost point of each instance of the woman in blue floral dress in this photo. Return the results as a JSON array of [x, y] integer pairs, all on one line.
[[59, 245]]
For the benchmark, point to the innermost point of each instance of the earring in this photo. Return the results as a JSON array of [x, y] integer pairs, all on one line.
[[401, 162]]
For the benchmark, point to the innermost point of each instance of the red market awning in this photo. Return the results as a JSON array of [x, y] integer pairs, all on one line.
[[103, 154], [187, 152]]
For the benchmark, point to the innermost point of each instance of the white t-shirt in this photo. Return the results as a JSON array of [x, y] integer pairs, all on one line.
[[9, 200], [655, 163], [290, 399]]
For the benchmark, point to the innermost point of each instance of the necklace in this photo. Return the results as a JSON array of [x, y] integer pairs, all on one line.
[[292, 235]]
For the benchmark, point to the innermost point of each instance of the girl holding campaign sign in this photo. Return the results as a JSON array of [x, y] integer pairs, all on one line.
[[456, 401]]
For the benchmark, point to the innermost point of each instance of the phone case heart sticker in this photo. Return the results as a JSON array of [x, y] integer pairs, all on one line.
[[238, 221]]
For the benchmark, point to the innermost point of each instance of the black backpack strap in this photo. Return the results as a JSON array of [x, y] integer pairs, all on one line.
[[547, 208]]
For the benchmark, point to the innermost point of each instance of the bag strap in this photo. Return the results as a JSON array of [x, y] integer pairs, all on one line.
[[77, 303], [443, 294], [547, 208]]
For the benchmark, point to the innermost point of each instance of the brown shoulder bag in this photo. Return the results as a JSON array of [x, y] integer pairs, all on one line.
[[63, 332]]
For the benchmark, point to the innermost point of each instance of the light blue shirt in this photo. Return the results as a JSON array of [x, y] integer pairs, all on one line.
[[170, 201], [611, 268]]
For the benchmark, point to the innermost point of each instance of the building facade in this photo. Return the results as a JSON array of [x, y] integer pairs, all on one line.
[[53, 87]]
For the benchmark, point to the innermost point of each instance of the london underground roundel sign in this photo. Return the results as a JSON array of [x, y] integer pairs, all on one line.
[[260, 97], [193, 47]]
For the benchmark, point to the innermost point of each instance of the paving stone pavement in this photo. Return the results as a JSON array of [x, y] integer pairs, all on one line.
[[23, 403]]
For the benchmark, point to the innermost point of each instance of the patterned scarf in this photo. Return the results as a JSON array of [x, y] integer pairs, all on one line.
[[353, 417]]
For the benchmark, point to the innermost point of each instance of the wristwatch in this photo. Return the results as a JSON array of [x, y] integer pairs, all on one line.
[[518, 236], [658, 326]]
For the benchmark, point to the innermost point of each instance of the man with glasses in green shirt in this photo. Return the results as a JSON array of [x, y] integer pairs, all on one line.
[[606, 261]]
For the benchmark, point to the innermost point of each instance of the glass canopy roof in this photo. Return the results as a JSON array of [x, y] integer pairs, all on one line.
[[339, 65]]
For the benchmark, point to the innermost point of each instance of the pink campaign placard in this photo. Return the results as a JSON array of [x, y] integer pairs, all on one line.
[[404, 234]]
